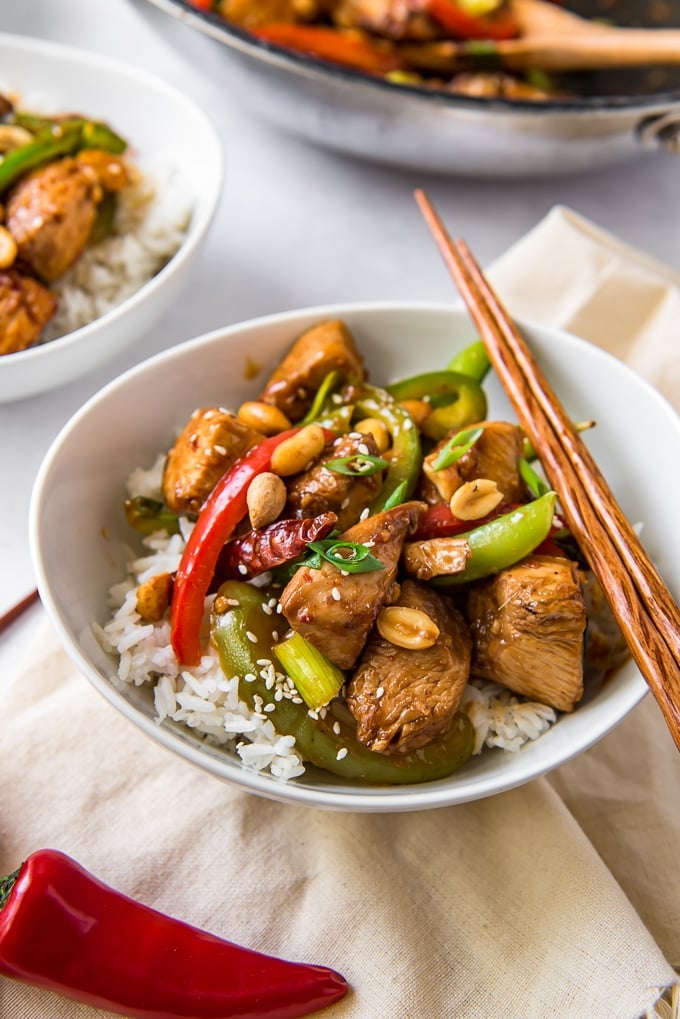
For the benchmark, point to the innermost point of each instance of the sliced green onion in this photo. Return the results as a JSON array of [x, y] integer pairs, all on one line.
[[329, 383], [316, 679], [456, 447], [534, 483], [349, 556], [396, 498], [358, 466], [149, 515]]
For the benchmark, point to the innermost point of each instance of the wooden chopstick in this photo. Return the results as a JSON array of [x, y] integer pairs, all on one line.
[[641, 603], [7, 618]]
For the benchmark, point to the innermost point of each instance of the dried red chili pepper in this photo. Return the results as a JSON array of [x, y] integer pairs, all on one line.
[[63, 929], [266, 547]]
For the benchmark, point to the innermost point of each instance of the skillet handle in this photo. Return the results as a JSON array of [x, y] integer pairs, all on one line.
[[661, 131]]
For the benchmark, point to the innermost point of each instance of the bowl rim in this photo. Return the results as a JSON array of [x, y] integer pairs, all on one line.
[[212, 25], [392, 799], [202, 212]]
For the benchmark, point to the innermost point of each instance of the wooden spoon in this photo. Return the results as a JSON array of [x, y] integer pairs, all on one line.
[[557, 40]]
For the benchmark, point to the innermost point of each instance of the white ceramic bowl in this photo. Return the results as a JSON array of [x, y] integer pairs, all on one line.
[[78, 530], [157, 121]]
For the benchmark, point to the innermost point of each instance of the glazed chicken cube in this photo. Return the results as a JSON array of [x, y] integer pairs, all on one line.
[[528, 624], [335, 610], [405, 698], [211, 442], [435, 557], [326, 347], [51, 212], [494, 455], [26, 307], [320, 489]]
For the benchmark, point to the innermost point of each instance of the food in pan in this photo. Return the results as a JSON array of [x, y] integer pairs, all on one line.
[[371, 580], [83, 225], [441, 44]]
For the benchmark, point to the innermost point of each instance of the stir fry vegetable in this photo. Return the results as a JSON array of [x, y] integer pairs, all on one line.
[[349, 578]]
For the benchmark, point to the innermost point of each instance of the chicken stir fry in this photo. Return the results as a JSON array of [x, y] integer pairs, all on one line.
[[59, 177], [440, 44], [403, 548]]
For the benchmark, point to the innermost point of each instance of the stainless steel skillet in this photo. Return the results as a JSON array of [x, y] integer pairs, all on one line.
[[611, 118]]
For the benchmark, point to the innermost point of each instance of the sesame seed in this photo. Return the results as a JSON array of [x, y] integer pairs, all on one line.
[[275, 635], [336, 399], [369, 544], [252, 637], [342, 752], [269, 707], [356, 435], [364, 513], [363, 449], [267, 609], [278, 695], [242, 569], [408, 423], [345, 503], [231, 601], [279, 609], [220, 449], [296, 699], [250, 677], [209, 414], [344, 573], [263, 661], [380, 691], [336, 594], [336, 728]]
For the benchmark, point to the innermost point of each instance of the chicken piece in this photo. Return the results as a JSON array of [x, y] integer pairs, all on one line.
[[435, 557], [528, 625], [326, 347], [249, 15], [26, 307], [334, 611], [320, 490], [51, 213], [112, 172], [154, 596], [391, 19], [404, 699], [605, 648], [211, 442], [493, 456]]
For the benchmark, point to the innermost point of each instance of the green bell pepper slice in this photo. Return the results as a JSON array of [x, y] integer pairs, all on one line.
[[319, 741], [504, 541], [457, 400], [43, 149], [473, 361], [405, 457]]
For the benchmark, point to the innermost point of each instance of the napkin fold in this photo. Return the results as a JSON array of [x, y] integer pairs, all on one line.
[[560, 898]]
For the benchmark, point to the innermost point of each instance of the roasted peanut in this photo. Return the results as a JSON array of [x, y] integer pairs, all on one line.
[[475, 499], [419, 410], [263, 417], [298, 452], [8, 248], [154, 596], [406, 627], [374, 427], [266, 497]]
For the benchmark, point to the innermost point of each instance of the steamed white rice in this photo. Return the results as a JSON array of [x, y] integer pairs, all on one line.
[[152, 217], [207, 701]]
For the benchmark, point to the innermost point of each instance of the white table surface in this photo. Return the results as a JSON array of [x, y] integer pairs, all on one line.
[[297, 226]]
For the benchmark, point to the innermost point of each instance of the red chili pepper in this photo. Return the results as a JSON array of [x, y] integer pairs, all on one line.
[[462, 25], [223, 509], [63, 929], [331, 44], [266, 547]]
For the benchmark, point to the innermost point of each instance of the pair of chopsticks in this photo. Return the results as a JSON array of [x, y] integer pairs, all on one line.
[[642, 605]]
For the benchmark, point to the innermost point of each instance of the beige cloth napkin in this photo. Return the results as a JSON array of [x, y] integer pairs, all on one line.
[[558, 899]]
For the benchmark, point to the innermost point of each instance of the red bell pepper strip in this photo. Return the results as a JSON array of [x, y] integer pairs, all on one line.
[[439, 522], [462, 25], [64, 930], [224, 508], [330, 44]]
